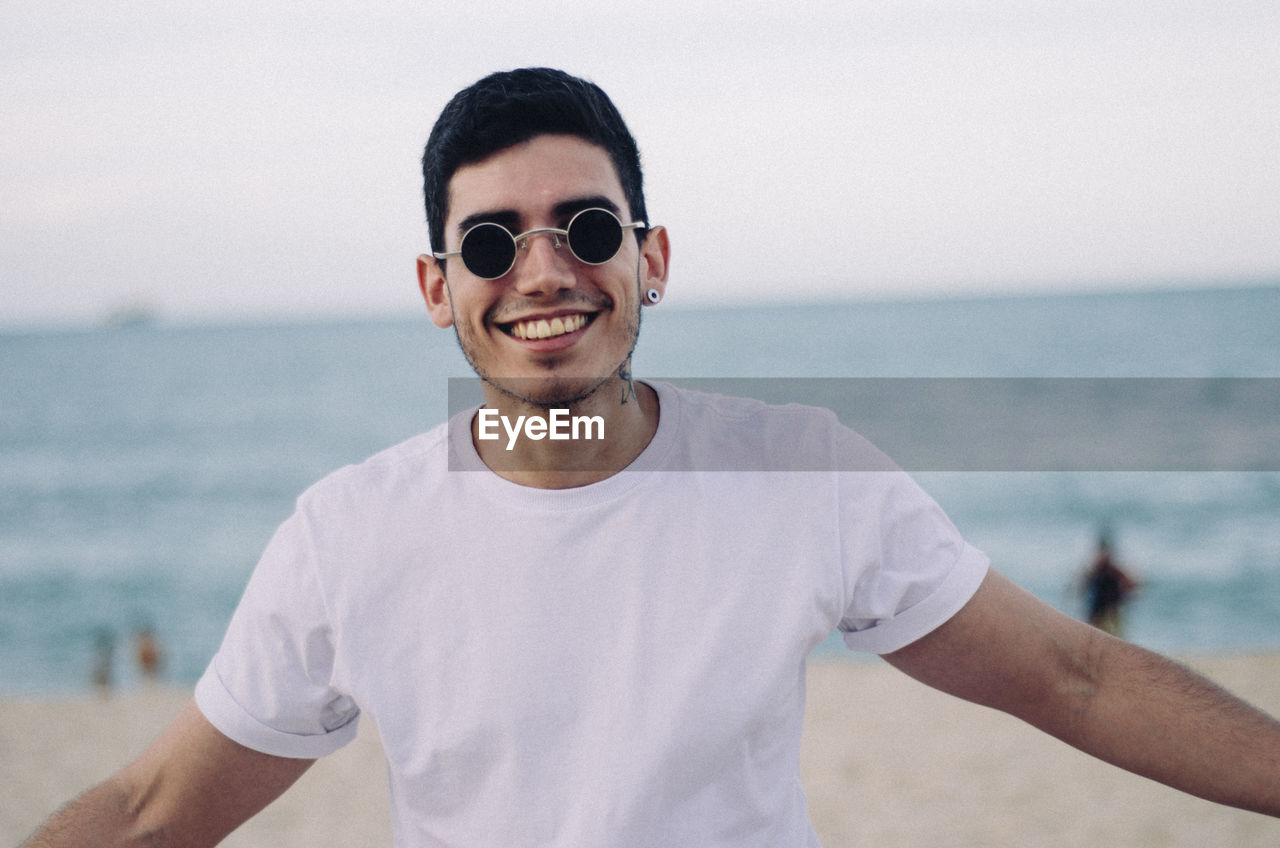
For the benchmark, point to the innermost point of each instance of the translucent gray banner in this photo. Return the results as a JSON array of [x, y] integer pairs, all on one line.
[[1020, 424]]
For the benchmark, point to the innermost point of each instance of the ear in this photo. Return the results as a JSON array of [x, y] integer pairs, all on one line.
[[655, 259], [435, 291]]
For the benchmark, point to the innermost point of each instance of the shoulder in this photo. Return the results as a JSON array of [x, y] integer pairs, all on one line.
[[385, 474], [735, 418], [701, 406]]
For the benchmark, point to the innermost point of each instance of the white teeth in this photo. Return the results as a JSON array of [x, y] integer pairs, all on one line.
[[544, 329]]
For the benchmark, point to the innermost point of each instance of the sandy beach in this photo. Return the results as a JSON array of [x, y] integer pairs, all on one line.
[[886, 761]]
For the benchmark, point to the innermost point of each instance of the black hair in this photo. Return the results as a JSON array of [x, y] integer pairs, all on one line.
[[510, 107]]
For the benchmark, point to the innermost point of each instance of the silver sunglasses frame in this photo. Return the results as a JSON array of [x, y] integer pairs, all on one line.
[[522, 241]]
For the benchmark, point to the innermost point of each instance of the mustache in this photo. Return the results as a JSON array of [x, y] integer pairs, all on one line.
[[508, 311]]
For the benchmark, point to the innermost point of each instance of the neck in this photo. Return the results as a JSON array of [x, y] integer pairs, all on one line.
[[574, 444]]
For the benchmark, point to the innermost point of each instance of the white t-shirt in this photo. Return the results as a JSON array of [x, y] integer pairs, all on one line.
[[619, 664]]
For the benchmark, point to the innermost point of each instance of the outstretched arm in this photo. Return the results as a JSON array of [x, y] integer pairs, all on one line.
[[1107, 697], [192, 787]]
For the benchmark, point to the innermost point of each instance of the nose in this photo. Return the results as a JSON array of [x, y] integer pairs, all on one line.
[[543, 264]]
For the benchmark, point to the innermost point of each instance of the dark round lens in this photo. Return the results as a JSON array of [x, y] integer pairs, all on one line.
[[488, 251], [595, 236]]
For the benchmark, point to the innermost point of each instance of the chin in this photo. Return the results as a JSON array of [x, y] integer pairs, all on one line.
[[555, 392]]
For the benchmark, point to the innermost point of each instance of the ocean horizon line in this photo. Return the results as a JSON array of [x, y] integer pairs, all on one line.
[[143, 314]]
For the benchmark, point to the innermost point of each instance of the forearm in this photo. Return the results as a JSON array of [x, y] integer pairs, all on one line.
[[106, 815], [1121, 703], [1156, 718], [191, 788]]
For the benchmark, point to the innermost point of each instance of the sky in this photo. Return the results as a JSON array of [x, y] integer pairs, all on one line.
[[262, 158]]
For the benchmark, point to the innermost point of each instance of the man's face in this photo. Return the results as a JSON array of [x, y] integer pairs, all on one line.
[[592, 311]]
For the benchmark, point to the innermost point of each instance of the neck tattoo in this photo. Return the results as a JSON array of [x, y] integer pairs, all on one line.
[[628, 386]]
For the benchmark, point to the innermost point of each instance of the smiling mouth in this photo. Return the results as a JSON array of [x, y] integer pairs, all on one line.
[[546, 328]]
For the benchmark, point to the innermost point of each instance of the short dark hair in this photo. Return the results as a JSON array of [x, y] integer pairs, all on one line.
[[510, 107]]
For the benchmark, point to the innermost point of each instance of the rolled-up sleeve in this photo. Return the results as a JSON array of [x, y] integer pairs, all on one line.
[[270, 686]]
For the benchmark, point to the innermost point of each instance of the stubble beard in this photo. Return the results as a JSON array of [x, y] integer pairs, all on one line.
[[552, 392]]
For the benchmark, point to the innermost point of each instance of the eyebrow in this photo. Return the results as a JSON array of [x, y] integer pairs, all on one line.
[[510, 218], [569, 207]]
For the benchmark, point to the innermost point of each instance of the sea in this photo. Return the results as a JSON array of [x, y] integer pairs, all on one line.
[[143, 468]]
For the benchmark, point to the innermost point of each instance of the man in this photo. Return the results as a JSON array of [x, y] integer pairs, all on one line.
[[1107, 589], [601, 640]]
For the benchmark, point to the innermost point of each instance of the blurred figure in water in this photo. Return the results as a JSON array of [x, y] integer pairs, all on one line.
[[1107, 589]]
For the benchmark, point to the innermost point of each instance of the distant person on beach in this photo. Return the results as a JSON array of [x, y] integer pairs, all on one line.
[[595, 641], [104, 657], [1107, 589], [147, 652]]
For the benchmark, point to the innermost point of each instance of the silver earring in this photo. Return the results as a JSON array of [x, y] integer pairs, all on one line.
[[653, 296]]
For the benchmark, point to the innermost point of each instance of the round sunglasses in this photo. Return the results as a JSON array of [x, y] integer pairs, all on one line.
[[489, 250]]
